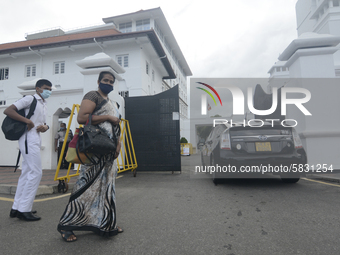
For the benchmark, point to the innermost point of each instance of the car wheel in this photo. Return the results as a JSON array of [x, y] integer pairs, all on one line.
[[214, 179], [290, 180], [214, 175]]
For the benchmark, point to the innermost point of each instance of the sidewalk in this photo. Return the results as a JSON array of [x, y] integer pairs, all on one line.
[[9, 181]]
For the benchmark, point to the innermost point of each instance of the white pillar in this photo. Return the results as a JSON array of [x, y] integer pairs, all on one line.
[[92, 66], [309, 59], [330, 3]]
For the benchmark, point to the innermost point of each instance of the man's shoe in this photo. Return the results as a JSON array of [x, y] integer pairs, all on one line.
[[27, 216], [13, 213]]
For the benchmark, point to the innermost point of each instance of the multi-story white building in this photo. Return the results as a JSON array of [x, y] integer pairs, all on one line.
[[312, 61], [139, 47], [318, 28]]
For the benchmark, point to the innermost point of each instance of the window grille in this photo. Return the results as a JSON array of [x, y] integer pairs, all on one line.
[[30, 70], [4, 72]]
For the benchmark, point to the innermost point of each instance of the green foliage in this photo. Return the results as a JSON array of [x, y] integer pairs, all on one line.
[[183, 140], [216, 116]]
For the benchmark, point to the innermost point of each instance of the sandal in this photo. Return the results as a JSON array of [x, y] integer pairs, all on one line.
[[120, 230], [66, 235]]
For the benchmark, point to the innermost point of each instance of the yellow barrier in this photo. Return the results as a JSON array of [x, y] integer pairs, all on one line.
[[186, 149], [127, 157], [125, 161]]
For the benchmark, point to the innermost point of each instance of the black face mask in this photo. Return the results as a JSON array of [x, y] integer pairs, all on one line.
[[105, 88]]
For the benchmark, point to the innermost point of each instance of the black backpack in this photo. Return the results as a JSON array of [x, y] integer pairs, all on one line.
[[14, 129]]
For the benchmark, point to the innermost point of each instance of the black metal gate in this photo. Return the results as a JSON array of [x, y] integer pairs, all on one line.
[[154, 124]]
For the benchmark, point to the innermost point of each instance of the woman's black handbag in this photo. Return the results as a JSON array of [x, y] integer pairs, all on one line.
[[93, 140]]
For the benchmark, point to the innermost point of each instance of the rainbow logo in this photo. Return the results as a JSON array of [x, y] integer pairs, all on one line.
[[212, 89]]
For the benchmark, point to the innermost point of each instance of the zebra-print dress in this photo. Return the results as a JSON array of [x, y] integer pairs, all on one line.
[[92, 204]]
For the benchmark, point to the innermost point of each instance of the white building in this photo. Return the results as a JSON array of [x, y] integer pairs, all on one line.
[[315, 57], [139, 47]]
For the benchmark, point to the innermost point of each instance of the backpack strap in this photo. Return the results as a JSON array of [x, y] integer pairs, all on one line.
[[18, 159], [29, 115], [32, 108]]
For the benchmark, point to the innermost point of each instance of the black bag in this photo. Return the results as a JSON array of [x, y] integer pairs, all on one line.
[[14, 129], [94, 140]]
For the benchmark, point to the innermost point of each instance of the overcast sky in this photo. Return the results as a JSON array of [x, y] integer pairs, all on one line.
[[229, 38]]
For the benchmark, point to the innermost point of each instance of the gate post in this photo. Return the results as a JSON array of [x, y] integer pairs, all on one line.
[[92, 66]]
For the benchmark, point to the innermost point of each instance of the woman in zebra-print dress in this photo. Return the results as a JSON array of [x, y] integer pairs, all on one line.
[[92, 204]]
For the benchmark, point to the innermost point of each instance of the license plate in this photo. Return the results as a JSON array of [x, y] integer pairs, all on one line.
[[263, 146]]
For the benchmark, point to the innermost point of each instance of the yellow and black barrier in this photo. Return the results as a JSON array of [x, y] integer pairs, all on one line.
[[126, 160], [186, 149]]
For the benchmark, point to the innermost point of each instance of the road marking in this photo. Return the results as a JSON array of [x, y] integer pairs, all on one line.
[[36, 200], [6, 199], [330, 184], [51, 198]]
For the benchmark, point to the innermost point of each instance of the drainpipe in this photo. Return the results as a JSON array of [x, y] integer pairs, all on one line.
[[41, 60], [157, 58], [162, 57], [94, 39]]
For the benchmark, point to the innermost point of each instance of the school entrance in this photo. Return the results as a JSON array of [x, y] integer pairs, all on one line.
[[155, 129]]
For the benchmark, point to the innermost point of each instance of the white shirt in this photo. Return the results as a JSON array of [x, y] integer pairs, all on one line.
[[39, 116]]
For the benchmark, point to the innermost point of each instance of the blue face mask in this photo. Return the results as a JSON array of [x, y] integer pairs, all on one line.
[[105, 88], [46, 93]]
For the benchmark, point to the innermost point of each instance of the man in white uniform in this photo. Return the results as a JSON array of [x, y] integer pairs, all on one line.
[[31, 170]]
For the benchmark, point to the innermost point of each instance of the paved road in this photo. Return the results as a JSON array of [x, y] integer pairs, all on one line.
[[164, 213]]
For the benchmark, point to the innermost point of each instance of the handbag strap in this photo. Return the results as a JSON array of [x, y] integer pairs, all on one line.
[[95, 109], [89, 121], [100, 105]]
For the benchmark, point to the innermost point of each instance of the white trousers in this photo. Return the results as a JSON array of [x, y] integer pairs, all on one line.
[[31, 173]]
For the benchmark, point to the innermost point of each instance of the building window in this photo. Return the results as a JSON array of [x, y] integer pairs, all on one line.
[[4, 72], [153, 75], [147, 68], [125, 27], [30, 71], [123, 60], [59, 67], [159, 31], [124, 93], [2, 98], [335, 3], [143, 24]]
